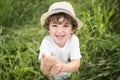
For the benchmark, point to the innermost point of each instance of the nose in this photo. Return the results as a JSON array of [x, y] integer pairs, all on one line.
[[60, 29]]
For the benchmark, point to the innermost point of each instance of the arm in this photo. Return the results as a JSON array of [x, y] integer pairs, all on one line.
[[72, 66], [68, 67], [45, 69], [47, 62]]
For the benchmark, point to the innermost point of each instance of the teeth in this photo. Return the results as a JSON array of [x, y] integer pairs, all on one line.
[[59, 35]]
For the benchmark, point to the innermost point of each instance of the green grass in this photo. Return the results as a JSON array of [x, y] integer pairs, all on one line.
[[21, 35]]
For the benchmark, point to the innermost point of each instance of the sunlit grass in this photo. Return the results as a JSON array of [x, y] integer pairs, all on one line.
[[19, 56], [21, 35]]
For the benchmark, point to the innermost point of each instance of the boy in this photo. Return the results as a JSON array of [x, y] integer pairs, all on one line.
[[59, 51]]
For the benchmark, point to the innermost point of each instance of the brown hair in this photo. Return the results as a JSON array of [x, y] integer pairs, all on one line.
[[57, 16]]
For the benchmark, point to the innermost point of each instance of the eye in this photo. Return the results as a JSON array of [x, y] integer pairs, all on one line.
[[54, 25], [66, 25]]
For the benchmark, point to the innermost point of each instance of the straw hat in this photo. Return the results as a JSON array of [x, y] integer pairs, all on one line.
[[58, 7]]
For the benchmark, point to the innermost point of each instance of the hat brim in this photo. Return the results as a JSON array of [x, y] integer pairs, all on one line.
[[47, 14]]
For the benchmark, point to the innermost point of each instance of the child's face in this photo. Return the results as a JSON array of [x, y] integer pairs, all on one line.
[[60, 31]]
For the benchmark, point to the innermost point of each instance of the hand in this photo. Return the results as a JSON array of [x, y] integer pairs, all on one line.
[[49, 60], [56, 69]]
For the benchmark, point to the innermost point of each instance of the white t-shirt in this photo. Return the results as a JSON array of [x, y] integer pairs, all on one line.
[[69, 52]]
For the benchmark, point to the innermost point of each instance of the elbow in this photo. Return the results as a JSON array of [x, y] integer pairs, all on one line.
[[75, 64], [41, 69], [76, 68]]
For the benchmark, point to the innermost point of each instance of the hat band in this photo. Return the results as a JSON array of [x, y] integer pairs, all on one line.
[[61, 9]]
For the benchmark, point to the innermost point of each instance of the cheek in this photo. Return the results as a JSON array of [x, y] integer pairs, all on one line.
[[69, 31], [51, 31]]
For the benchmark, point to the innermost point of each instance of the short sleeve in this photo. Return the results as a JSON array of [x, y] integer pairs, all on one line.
[[44, 48], [75, 49]]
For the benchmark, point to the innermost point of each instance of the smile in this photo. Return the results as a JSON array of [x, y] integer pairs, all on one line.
[[60, 37]]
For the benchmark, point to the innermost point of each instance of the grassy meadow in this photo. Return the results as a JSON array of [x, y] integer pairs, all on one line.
[[21, 35]]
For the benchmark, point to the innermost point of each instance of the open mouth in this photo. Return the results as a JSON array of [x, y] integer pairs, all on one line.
[[60, 37]]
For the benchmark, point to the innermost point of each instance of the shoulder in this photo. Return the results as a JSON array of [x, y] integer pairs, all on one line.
[[47, 38], [48, 41], [74, 38]]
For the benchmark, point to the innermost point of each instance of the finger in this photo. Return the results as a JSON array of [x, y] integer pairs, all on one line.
[[48, 61], [56, 67], [54, 71], [43, 56], [55, 60]]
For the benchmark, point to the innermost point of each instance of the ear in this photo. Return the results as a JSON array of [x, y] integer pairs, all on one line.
[[73, 31], [48, 31]]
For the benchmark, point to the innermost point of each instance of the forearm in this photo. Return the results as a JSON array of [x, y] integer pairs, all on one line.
[[44, 69], [47, 62], [72, 66]]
